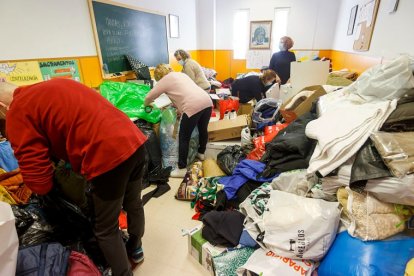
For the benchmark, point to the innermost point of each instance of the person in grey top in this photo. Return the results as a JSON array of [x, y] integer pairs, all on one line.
[[192, 69]]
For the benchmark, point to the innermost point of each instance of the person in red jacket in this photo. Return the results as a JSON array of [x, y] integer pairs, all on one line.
[[63, 119]]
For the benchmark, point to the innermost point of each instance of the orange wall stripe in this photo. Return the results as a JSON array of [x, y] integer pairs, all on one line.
[[222, 61]]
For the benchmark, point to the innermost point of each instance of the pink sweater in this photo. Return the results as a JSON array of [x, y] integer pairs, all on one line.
[[183, 92]]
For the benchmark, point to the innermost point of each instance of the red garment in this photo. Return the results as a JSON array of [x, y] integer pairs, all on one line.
[[259, 142], [123, 223], [80, 264], [64, 119]]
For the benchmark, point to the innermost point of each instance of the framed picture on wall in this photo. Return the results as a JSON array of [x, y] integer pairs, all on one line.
[[352, 18], [260, 34], [174, 25]]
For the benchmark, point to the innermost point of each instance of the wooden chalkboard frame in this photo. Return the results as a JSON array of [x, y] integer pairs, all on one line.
[[96, 36]]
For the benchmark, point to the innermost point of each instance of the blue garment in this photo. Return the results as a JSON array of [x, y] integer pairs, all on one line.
[[247, 240], [8, 161], [244, 171]]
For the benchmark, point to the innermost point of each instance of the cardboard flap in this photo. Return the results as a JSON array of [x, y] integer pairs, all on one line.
[[305, 106]]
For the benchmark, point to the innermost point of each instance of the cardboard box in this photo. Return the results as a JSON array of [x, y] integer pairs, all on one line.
[[202, 250], [227, 129], [305, 106], [245, 108]]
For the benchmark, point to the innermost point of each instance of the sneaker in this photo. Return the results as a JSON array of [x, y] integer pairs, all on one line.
[[137, 256], [200, 156], [233, 115], [226, 116], [178, 173]]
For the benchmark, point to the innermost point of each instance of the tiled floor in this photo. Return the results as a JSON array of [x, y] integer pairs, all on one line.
[[166, 251]]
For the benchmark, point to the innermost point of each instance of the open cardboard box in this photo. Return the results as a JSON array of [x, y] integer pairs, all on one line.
[[227, 129], [202, 250], [305, 106]]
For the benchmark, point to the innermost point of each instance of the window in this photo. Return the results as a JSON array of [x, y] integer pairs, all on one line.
[[240, 33], [280, 23]]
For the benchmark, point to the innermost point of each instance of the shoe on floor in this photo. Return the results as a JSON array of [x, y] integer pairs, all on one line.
[[178, 173], [200, 156], [137, 256]]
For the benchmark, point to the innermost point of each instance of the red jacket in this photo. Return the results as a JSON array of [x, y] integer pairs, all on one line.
[[64, 119]]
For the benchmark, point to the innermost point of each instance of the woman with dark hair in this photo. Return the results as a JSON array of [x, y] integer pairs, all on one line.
[[280, 61], [253, 87], [192, 69]]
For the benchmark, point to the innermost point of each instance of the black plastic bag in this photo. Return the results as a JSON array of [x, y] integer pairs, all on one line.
[[368, 164], [152, 145], [228, 158], [70, 223], [32, 228], [155, 173], [23, 219]]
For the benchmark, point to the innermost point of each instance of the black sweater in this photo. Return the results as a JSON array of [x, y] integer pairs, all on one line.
[[248, 88], [280, 63]]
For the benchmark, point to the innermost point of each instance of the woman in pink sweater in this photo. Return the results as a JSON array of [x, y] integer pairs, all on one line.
[[192, 102]]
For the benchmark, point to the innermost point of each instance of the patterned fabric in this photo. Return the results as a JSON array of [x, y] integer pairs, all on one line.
[[253, 207], [13, 184], [189, 186], [205, 198], [141, 70], [227, 263]]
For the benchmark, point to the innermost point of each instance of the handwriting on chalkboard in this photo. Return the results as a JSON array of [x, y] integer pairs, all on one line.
[[123, 31]]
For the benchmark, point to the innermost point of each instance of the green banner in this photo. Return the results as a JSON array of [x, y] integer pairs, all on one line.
[[67, 69]]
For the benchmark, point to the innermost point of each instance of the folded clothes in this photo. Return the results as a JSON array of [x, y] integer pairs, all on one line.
[[341, 132]]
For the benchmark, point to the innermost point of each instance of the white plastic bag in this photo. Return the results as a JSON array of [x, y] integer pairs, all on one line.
[[298, 227], [295, 182], [393, 189], [384, 81], [10, 243], [267, 263], [246, 137]]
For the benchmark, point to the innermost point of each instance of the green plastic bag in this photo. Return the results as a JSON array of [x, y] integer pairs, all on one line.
[[129, 97]]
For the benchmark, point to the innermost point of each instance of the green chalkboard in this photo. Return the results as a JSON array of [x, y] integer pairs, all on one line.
[[122, 31]]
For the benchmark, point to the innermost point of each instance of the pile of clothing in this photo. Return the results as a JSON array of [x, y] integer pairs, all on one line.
[[334, 190]]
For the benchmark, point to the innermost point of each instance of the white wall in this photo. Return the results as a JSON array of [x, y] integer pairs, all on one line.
[[311, 23], [33, 29], [206, 24], [392, 33]]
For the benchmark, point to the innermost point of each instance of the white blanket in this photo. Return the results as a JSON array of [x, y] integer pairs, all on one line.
[[341, 132]]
